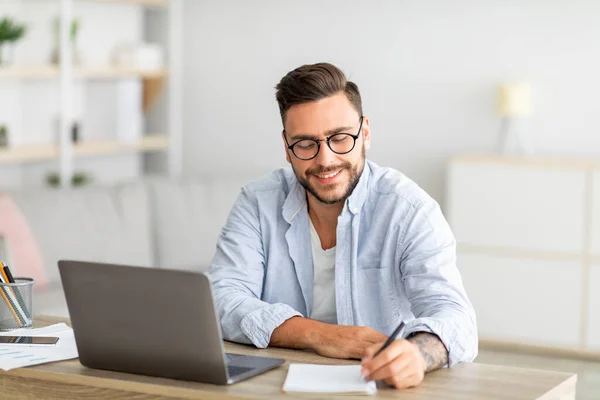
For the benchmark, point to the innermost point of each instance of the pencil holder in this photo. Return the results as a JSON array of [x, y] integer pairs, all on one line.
[[16, 301]]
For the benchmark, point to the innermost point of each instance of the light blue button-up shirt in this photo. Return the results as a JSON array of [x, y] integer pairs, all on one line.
[[395, 260]]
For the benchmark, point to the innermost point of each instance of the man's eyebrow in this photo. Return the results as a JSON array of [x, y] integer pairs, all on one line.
[[303, 136]]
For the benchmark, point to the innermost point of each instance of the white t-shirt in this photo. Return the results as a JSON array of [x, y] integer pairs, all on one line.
[[323, 307]]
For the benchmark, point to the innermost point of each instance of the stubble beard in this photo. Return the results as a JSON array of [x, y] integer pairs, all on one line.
[[354, 172]]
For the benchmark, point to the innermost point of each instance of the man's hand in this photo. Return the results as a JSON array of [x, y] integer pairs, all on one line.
[[404, 363], [337, 341], [340, 341]]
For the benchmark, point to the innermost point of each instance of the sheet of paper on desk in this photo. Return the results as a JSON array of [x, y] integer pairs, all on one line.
[[313, 378], [16, 356]]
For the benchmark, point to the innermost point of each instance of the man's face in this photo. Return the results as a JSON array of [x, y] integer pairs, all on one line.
[[329, 177]]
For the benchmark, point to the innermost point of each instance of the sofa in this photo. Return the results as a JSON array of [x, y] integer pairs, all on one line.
[[154, 222]]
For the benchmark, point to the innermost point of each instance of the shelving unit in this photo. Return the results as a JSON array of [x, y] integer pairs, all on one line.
[[67, 79], [108, 72], [148, 3], [32, 154]]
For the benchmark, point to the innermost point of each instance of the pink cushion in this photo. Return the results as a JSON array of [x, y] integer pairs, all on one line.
[[24, 248]]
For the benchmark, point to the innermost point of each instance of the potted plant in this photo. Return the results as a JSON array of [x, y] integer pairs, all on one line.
[[73, 36], [3, 136], [10, 32], [78, 179]]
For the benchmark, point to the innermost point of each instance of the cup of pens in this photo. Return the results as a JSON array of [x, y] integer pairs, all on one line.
[[16, 300]]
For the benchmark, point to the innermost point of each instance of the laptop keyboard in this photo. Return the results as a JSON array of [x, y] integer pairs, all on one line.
[[232, 357], [234, 370]]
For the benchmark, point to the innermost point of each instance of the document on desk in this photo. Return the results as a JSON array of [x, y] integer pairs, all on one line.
[[18, 356], [313, 378]]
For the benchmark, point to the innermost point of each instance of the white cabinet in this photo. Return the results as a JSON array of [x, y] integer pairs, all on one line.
[[511, 206], [528, 234], [593, 333], [596, 215], [524, 300]]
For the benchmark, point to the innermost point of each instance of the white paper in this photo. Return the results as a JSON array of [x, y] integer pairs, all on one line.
[[18, 356], [315, 378]]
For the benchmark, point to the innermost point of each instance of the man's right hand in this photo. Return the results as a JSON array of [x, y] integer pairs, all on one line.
[[336, 341], [340, 341]]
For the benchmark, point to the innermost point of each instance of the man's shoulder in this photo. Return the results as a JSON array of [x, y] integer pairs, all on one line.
[[387, 181], [279, 180]]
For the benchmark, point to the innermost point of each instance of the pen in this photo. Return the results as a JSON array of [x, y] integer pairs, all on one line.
[[11, 295], [391, 338], [9, 275], [9, 304], [16, 290]]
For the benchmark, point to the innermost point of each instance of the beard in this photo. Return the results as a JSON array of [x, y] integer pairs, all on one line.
[[354, 171]]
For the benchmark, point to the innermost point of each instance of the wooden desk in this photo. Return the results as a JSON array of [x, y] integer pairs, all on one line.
[[70, 380]]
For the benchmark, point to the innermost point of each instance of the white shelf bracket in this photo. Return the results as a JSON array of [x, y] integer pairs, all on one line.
[[66, 93], [175, 108]]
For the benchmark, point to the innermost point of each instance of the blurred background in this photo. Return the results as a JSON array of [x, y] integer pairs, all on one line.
[[157, 111]]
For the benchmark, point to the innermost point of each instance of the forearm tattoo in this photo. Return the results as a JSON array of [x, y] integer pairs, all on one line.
[[432, 349]]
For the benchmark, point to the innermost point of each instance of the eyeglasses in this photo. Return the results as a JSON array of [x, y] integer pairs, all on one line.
[[339, 143]]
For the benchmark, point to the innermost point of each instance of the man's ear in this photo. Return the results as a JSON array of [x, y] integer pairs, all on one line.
[[366, 131], [285, 148]]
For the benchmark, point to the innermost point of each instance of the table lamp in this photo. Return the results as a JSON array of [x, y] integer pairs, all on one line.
[[514, 106]]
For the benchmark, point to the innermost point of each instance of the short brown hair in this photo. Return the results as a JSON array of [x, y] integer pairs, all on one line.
[[313, 82]]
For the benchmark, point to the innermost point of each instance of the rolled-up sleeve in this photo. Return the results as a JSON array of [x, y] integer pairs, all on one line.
[[434, 285], [237, 273]]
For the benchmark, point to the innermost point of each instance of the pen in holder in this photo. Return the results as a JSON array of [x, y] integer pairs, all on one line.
[[16, 300]]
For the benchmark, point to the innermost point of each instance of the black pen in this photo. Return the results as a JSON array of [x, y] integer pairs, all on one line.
[[9, 275], [390, 339]]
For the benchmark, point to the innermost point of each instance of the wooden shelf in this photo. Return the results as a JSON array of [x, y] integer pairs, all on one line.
[[51, 71], [146, 144], [149, 3], [30, 154]]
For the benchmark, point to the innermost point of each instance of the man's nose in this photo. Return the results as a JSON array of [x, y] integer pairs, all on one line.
[[326, 156]]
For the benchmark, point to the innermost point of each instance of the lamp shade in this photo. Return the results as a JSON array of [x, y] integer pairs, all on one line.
[[514, 99]]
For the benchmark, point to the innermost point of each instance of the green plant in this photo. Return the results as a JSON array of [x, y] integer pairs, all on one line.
[[3, 135], [78, 179], [74, 28], [10, 30]]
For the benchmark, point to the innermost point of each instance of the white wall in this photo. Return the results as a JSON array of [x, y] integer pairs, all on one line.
[[427, 71]]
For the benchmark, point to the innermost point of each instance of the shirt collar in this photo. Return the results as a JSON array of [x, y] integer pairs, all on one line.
[[360, 192], [296, 199]]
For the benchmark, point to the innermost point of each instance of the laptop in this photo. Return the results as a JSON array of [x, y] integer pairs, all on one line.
[[150, 321]]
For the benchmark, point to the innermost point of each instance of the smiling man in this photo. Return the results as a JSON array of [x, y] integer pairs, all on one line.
[[334, 252]]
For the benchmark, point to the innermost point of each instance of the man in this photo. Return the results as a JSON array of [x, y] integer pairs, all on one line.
[[334, 252]]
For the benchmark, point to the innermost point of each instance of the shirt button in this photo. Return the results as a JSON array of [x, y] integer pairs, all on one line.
[[355, 210]]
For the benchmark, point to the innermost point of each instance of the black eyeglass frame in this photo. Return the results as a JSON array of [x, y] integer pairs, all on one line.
[[327, 139]]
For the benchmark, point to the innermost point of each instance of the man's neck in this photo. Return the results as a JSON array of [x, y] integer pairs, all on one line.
[[324, 218]]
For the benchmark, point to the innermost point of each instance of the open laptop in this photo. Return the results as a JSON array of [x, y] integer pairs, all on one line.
[[148, 321]]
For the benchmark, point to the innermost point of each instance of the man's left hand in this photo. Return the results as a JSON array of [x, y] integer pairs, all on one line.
[[400, 364]]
